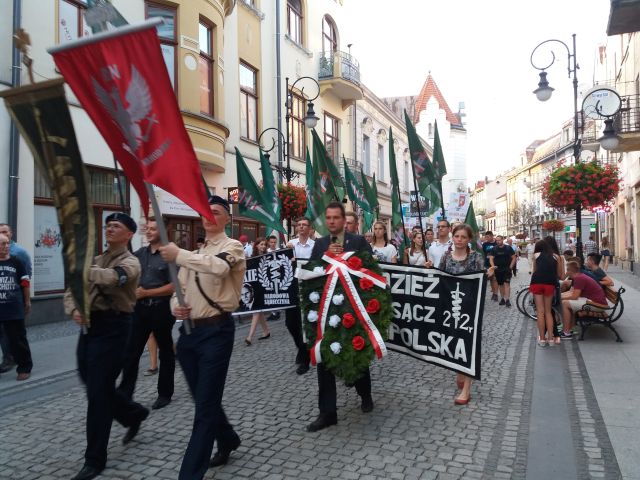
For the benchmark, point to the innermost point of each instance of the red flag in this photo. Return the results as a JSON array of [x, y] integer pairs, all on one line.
[[121, 80]]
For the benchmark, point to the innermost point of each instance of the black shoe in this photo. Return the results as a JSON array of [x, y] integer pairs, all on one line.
[[507, 303], [222, 456], [87, 473], [502, 302], [494, 297], [367, 404], [324, 420], [264, 337], [160, 402], [302, 368], [6, 366], [133, 429]]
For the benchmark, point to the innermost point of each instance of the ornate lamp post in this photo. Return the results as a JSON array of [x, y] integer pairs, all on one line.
[[543, 93]]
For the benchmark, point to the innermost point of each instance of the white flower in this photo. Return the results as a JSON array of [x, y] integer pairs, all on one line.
[[335, 347], [338, 299], [314, 297], [312, 316], [318, 270], [334, 320]]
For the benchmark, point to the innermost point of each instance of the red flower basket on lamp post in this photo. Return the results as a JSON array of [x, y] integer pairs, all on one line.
[[294, 201], [553, 225]]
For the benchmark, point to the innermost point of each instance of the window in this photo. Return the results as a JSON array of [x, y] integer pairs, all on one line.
[[366, 154], [329, 35], [332, 136], [381, 162], [296, 127], [248, 103], [167, 35], [71, 24], [294, 20], [205, 67]]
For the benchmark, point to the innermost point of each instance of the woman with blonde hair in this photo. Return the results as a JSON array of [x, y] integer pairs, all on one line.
[[461, 259], [259, 248], [382, 249]]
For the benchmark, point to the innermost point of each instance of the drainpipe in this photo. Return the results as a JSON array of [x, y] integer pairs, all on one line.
[[14, 138], [278, 90]]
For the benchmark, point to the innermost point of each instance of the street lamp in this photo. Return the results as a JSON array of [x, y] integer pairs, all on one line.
[[543, 93], [310, 121]]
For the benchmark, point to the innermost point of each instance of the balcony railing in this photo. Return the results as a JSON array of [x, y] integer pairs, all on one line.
[[628, 119], [354, 165], [339, 64]]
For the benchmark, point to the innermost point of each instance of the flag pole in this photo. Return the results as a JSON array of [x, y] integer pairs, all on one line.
[[415, 185], [164, 239]]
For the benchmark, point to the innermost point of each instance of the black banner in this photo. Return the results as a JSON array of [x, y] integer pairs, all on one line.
[[437, 316], [269, 283], [42, 116]]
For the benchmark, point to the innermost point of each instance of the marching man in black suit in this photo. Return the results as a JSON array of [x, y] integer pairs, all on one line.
[[336, 242]]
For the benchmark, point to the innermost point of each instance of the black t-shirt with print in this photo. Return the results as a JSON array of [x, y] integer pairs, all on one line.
[[502, 256]]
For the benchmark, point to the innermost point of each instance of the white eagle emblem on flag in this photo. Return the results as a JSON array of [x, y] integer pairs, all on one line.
[[129, 117]]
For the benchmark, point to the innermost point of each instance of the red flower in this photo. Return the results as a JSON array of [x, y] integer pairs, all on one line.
[[365, 283], [373, 306], [348, 320], [355, 263], [358, 343]]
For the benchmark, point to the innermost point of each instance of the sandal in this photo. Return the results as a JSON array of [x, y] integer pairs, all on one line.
[[247, 342], [542, 342]]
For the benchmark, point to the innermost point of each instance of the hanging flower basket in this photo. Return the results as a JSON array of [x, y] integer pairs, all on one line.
[[587, 184], [521, 236], [293, 199], [553, 225]]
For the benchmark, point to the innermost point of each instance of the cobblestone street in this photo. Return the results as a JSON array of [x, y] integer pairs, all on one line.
[[415, 430]]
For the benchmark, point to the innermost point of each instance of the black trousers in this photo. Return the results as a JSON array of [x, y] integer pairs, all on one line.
[[327, 388], [156, 319], [4, 345], [293, 321], [100, 357], [204, 355], [16, 337]]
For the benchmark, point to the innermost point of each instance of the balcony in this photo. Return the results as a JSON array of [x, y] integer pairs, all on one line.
[[339, 75], [624, 17], [627, 124]]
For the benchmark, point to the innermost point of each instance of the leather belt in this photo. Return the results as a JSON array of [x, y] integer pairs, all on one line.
[[202, 322], [150, 301]]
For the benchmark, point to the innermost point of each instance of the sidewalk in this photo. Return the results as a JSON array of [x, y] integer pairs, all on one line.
[[614, 370]]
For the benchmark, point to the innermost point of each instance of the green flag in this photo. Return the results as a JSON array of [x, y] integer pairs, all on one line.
[[372, 200], [354, 190], [269, 187], [315, 206], [251, 202], [423, 172], [397, 222], [439, 165], [470, 220], [100, 14], [326, 163]]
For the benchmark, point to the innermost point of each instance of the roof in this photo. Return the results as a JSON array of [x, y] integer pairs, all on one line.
[[430, 89], [547, 148]]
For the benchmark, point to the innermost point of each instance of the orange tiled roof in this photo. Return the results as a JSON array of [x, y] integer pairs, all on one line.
[[430, 89]]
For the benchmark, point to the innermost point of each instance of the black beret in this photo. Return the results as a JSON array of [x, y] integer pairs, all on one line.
[[122, 218], [217, 200]]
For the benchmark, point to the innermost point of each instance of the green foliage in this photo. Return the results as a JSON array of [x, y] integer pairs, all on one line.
[[350, 364]]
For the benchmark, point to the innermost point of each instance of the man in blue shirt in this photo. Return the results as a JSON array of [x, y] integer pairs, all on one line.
[[21, 254]]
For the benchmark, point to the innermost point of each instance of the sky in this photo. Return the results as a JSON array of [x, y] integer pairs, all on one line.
[[479, 53]]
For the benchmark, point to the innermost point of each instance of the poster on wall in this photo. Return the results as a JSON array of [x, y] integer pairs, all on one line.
[[458, 207], [48, 268]]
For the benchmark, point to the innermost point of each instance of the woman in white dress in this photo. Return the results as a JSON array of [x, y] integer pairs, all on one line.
[[382, 249], [415, 255]]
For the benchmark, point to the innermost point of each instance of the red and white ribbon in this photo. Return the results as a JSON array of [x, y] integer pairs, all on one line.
[[338, 268]]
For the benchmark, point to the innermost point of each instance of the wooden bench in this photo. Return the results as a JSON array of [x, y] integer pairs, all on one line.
[[601, 315]]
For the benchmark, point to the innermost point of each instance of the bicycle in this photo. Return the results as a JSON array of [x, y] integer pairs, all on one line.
[[527, 306]]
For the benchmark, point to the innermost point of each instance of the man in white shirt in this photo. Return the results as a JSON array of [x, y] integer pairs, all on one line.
[[531, 246], [302, 247], [442, 243], [246, 245]]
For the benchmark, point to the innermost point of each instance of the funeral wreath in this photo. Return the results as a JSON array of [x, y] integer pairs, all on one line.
[[346, 312]]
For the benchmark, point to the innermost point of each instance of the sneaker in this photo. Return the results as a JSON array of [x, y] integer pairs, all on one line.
[[507, 303], [494, 297], [502, 302], [566, 335]]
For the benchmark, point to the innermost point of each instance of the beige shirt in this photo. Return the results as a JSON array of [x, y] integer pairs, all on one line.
[[102, 274], [220, 279]]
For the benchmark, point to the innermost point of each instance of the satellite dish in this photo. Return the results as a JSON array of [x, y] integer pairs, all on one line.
[[601, 102]]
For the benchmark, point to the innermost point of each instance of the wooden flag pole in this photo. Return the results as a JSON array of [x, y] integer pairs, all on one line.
[[164, 239]]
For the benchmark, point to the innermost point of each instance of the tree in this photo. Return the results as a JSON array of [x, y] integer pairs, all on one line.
[[524, 215]]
